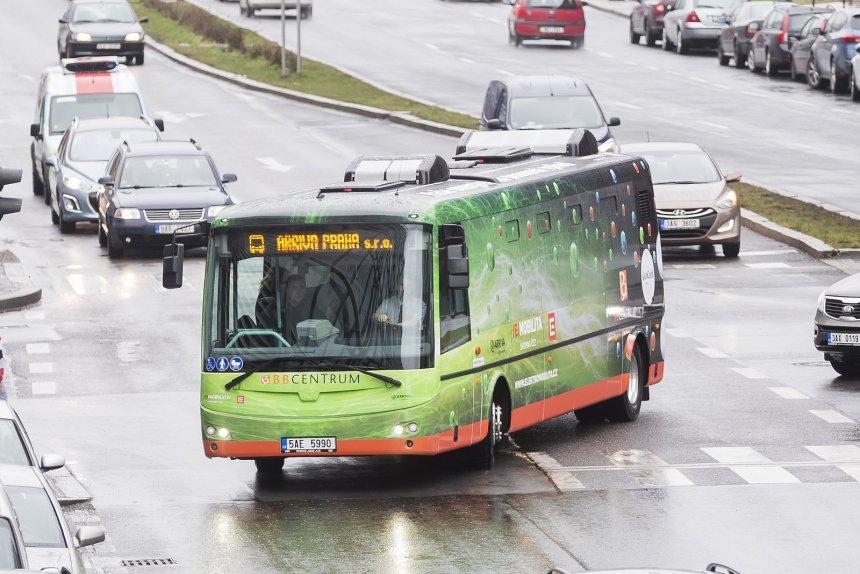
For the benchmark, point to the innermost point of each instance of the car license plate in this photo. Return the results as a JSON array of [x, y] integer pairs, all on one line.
[[718, 19], [552, 29], [179, 228], [679, 224], [309, 444], [108, 46], [843, 339]]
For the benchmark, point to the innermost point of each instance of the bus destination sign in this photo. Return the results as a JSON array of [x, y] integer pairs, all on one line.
[[316, 242]]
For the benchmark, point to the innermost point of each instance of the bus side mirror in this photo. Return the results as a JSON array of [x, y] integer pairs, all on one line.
[[171, 265], [458, 266]]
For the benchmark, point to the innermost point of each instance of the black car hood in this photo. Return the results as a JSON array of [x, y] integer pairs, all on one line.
[[102, 29], [848, 287], [171, 197]]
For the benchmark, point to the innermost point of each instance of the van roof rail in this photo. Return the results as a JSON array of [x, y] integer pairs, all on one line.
[[417, 169]]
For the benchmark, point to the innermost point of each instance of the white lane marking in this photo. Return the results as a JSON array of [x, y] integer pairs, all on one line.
[[693, 266], [38, 348], [34, 315], [749, 373], [128, 351], [841, 453], [505, 72], [711, 125], [495, 20], [652, 68], [720, 86], [769, 265], [41, 368], [467, 60], [606, 55], [74, 267], [754, 94], [624, 105], [771, 252], [274, 165], [797, 103], [751, 474], [788, 393], [176, 118], [44, 388], [832, 417], [651, 476], [712, 353], [840, 111], [562, 479], [432, 46], [700, 80], [87, 284], [679, 333]]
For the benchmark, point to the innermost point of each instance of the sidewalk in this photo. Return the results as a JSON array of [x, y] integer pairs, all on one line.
[[16, 289]]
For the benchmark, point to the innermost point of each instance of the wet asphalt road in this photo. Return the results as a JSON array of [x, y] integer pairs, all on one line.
[[728, 461]]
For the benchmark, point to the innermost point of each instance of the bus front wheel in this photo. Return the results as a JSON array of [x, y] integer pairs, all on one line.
[[625, 408], [482, 456], [269, 465]]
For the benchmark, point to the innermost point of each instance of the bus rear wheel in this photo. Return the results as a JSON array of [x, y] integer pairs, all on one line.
[[625, 408], [269, 465]]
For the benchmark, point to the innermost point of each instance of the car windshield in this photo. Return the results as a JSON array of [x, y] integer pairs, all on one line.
[[167, 172], [552, 4], [103, 12], [680, 167], [40, 526], [555, 112], [85, 106], [9, 558], [302, 296], [12, 450], [98, 145]]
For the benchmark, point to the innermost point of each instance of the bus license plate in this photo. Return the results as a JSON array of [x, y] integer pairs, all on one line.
[[843, 338], [178, 228], [108, 46], [309, 444], [552, 29], [679, 224]]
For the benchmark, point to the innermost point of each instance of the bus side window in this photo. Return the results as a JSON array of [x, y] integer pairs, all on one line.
[[608, 206], [455, 324]]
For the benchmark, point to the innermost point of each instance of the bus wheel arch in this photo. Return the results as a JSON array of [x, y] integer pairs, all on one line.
[[482, 454]]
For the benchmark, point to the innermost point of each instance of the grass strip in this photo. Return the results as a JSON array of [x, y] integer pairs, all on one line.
[[837, 230], [234, 49]]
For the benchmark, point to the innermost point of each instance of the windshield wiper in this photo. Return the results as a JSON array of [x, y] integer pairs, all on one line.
[[316, 364]]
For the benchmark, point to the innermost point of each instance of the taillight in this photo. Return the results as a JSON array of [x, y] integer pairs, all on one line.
[[783, 34], [659, 8], [692, 17], [851, 39]]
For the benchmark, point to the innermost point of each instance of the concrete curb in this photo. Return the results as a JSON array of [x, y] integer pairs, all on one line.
[[401, 118], [805, 243], [67, 487], [23, 297]]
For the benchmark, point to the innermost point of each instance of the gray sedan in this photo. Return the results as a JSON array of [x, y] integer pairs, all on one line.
[[695, 205], [694, 23]]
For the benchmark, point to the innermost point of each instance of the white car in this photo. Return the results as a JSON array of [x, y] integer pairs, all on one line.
[[249, 7]]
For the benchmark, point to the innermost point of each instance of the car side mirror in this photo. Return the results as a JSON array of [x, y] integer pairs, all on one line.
[[106, 181], [172, 265], [51, 462], [144, 20], [35, 131], [754, 27], [51, 161], [88, 535], [159, 123], [669, 7], [584, 3], [816, 31], [494, 124], [63, 21], [614, 122], [228, 178], [511, 2], [732, 176]]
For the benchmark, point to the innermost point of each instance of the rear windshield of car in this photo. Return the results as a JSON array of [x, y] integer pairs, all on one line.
[[103, 12], [40, 526], [723, 4], [552, 4], [797, 21], [755, 10], [12, 450], [84, 106], [555, 112], [681, 167], [167, 172], [98, 145], [8, 551], [854, 23]]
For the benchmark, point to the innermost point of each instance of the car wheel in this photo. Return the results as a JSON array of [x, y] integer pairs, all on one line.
[[853, 87], [740, 60], [138, 60], [667, 45], [102, 236], [55, 217], [721, 55], [114, 251], [47, 195], [269, 465], [837, 84], [38, 186], [482, 456], [751, 62], [634, 37], [307, 13], [731, 249], [770, 69], [241, 10], [577, 43], [66, 227], [651, 36], [249, 12], [681, 47], [625, 408], [845, 368], [813, 78]]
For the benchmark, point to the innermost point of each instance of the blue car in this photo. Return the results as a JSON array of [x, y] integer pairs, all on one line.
[[153, 191], [835, 47]]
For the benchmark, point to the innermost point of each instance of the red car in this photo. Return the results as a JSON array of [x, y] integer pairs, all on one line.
[[547, 20]]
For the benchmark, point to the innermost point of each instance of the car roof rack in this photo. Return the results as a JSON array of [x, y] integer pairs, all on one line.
[[90, 64], [363, 187], [417, 169], [495, 154], [573, 142], [195, 144]]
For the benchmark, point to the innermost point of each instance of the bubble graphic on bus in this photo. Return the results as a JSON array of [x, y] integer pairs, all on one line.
[[591, 213], [555, 254], [529, 229], [555, 185], [506, 201], [611, 255], [653, 341], [574, 260], [629, 190], [614, 177], [635, 167], [618, 349], [649, 230], [491, 256], [641, 235], [605, 266], [633, 218], [635, 259], [623, 243], [596, 264], [537, 192], [623, 210], [613, 229], [501, 231]]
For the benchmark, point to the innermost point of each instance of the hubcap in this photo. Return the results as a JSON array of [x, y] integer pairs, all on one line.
[[496, 423], [633, 384]]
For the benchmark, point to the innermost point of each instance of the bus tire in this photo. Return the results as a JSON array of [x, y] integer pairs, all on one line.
[[269, 465], [591, 414], [482, 456], [625, 408]]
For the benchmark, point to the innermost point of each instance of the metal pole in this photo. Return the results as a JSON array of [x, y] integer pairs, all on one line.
[[283, 40], [299, 37]]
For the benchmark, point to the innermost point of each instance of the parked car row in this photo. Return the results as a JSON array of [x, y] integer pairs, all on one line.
[[819, 43]]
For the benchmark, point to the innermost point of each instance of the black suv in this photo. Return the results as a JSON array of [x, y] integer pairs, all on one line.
[[153, 191], [770, 48]]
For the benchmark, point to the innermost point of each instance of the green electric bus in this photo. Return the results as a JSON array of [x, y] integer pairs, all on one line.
[[425, 305]]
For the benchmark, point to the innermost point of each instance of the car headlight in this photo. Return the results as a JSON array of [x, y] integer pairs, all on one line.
[[134, 37], [127, 213], [727, 200], [821, 300], [608, 146], [75, 183], [83, 37], [215, 210]]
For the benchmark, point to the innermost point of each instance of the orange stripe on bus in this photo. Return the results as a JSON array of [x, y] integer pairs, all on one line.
[[94, 83]]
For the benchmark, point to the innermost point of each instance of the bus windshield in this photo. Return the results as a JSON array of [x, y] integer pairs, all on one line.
[[314, 297]]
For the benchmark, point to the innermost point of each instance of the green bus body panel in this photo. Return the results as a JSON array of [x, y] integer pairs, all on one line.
[[561, 283]]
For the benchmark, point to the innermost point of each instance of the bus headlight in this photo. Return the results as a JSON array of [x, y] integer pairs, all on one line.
[[83, 37], [134, 37], [223, 433], [126, 213], [412, 427], [210, 430], [397, 430]]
